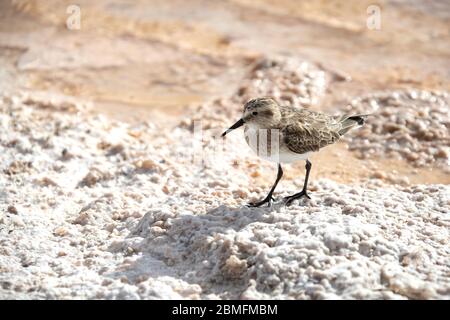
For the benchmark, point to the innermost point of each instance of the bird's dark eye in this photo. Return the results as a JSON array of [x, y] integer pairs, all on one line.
[[254, 113]]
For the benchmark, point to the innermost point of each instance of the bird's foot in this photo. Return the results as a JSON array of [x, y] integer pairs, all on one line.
[[269, 200], [288, 200]]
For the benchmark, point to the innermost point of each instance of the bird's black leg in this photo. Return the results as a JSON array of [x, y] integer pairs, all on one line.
[[305, 187], [268, 199]]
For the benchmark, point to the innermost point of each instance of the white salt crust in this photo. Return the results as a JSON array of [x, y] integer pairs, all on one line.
[[92, 208]]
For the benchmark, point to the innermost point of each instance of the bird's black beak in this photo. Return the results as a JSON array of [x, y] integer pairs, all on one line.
[[234, 126]]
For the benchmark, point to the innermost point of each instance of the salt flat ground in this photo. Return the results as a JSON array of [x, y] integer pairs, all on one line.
[[102, 195], [93, 208]]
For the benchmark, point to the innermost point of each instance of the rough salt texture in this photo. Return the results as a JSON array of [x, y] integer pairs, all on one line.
[[412, 124], [349, 242], [287, 79], [91, 208]]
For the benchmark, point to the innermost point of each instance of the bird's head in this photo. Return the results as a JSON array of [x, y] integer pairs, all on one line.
[[262, 113]]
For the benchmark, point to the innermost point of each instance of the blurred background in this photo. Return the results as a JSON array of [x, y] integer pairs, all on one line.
[[158, 58]]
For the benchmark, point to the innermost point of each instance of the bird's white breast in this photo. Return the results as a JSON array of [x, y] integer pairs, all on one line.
[[269, 145], [289, 156]]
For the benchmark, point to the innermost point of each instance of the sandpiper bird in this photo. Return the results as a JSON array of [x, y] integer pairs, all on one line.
[[285, 134]]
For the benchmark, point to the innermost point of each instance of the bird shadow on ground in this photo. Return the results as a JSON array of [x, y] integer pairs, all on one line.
[[182, 238]]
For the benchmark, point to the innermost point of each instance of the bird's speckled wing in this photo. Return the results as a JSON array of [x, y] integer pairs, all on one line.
[[306, 131]]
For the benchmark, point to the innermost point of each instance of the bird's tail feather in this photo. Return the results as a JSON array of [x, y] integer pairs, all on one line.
[[349, 122]]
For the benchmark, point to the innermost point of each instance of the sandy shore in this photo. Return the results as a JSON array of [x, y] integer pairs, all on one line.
[[108, 191]]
